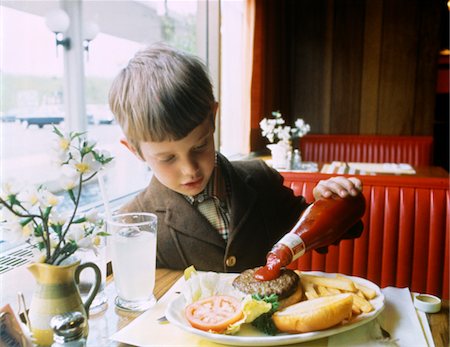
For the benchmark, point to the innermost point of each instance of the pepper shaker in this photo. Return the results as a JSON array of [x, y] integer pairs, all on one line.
[[68, 329]]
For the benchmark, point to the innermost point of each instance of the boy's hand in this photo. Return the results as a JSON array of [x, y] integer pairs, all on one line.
[[338, 185]]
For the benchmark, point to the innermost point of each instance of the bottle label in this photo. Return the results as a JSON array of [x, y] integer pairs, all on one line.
[[294, 243]]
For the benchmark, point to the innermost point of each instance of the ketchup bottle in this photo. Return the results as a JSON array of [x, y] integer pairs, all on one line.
[[322, 223]]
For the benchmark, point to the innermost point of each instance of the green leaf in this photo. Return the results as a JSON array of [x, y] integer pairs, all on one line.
[[79, 220], [40, 245], [103, 233], [71, 195], [13, 199], [69, 248], [57, 131], [57, 228], [38, 231], [25, 221], [264, 322], [76, 134], [47, 211]]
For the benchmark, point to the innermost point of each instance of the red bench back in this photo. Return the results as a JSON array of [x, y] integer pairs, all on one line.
[[414, 150], [405, 242]]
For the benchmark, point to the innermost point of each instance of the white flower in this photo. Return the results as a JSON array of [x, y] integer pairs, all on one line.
[[29, 197], [10, 188], [57, 218], [92, 216], [275, 131], [47, 199], [61, 147], [75, 233], [34, 214], [85, 166], [68, 183]]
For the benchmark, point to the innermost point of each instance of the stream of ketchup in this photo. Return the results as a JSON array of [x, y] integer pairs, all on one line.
[[321, 224]]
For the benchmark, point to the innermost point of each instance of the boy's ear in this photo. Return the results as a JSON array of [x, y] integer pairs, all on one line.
[[130, 147], [215, 107]]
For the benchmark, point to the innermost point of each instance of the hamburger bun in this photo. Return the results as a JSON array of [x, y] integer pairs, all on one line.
[[287, 286], [315, 314]]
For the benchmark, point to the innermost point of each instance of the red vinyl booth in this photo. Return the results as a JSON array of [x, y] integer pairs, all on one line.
[[414, 150], [406, 233]]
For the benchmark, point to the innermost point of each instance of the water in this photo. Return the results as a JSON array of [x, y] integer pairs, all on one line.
[[134, 260]]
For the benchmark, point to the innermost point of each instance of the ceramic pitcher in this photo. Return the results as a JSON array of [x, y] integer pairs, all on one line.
[[56, 293]]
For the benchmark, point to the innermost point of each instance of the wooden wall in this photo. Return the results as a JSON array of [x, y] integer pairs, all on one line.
[[364, 66]]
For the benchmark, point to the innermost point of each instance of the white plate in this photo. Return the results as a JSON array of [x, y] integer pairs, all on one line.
[[249, 336]]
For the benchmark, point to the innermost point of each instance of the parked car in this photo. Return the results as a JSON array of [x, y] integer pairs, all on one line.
[[39, 120], [7, 117], [99, 114]]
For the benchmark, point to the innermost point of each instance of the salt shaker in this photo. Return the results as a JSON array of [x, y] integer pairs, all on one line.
[[68, 329], [296, 160]]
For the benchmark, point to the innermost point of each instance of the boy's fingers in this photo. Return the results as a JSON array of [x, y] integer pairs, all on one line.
[[339, 185], [356, 182]]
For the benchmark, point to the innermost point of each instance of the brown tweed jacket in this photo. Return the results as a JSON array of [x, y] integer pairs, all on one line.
[[262, 211]]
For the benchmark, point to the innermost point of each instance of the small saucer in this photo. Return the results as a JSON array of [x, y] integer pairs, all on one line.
[[427, 303]]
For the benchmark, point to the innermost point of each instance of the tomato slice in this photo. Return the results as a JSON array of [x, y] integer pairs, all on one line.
[[215, 313]]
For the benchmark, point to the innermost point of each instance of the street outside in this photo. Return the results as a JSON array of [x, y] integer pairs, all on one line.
[[27, 157]]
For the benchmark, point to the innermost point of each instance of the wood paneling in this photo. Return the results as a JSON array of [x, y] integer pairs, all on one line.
[[364, 66], [348, 35], [370, 79], [310, 84]]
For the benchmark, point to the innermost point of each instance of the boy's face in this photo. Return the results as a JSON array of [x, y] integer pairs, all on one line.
[[186, 165]]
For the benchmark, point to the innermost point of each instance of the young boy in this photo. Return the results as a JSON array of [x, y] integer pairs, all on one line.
[[214, 214]]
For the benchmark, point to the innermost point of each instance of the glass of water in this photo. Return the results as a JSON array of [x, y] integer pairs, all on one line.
[[133, 254]]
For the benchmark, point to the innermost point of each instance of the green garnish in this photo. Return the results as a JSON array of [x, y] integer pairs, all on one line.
[[264, 322]]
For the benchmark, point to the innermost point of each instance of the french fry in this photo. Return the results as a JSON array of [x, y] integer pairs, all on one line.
[[355, 309], [342, 283], [334, 290], [310, 291], [318, 286], [369, 293], [364, 305], [323, 291], [360, 294]]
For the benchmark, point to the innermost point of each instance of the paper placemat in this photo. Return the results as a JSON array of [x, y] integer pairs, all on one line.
[[398, 317], [339, 167]]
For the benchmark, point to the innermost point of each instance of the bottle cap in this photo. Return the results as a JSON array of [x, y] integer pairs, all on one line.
[[427, 303], [68, 326]]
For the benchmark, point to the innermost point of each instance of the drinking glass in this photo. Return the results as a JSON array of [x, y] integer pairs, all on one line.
[[133, 254]]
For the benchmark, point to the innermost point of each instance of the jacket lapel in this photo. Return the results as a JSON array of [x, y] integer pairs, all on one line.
[[182, 217], [243, 198]]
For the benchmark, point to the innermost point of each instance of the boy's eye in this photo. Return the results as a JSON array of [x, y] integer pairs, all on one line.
[[167, 159], [200, 147]]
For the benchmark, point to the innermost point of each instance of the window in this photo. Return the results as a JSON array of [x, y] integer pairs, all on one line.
[[32, 83]]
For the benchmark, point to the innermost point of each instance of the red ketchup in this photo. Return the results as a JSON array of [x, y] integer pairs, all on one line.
[[322, 223]]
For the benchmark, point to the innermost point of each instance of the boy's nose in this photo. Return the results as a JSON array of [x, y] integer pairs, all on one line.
[[190, 167]]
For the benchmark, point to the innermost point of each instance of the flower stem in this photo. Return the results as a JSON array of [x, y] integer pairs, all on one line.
[[63, 235]]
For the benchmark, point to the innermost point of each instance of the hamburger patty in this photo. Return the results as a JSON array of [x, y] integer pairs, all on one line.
[[282, 286]]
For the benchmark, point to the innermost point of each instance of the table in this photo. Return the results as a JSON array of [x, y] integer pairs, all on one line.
[[421, 171], [104, 324]]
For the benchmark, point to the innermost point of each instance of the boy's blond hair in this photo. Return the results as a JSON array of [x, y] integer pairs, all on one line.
[[162, 95]]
